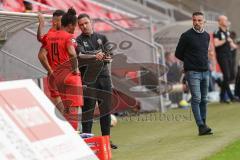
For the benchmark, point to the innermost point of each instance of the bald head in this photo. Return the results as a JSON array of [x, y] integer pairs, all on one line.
[[222, 17], [223, 21]]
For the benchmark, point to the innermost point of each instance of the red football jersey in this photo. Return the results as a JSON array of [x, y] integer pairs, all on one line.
[[57, 44], [43, 39], [67, 85]]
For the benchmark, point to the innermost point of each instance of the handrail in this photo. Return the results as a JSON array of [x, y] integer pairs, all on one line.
[[154, 46], [24, 62], [128, 33], [23, 14], [30, 31]]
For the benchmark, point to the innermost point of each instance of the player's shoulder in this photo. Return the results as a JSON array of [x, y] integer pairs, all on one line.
[[63, 34], [68, 36], [52, 30]]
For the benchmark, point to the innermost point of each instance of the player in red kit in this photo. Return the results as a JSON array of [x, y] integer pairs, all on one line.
[[63, 63], [42, 55], [56, 24]]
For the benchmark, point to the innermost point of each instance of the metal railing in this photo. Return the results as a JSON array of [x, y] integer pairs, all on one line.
[[24, 62], [165, 8], [158, 50]]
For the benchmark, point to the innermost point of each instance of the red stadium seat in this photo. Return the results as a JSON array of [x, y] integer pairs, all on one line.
[[83, 6]]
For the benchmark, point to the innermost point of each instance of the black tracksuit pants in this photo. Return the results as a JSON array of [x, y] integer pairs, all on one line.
[[225, 65], [99, 91]]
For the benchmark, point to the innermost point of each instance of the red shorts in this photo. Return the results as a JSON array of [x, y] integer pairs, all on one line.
[[52, 88], [68, 88], [73, 91]]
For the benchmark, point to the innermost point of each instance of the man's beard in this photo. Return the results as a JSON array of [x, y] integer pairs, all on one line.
[[198, 28]]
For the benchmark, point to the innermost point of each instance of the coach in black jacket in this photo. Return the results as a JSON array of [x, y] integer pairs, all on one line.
[[192, 49], [95, 76], [223, 44]]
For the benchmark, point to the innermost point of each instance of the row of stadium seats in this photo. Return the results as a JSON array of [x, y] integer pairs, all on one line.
[[82, 6]]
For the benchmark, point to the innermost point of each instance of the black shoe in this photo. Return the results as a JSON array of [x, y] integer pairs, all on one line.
[[235, 99], [113, 146], [225, 101], [204, 130]]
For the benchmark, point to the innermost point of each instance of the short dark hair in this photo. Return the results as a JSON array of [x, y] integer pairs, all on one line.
[[58, 13], [69, 17], [27, 5], [197, 14], [83, 15]]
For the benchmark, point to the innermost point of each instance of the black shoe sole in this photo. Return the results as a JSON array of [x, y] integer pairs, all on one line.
[[204, 134], [114, 147]]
